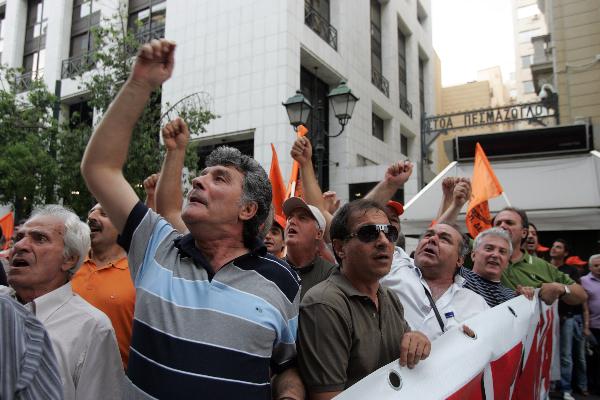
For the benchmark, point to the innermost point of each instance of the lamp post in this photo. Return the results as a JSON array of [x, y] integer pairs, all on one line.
[[342, 102]]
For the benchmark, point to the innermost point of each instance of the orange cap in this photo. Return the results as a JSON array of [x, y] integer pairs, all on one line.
[[398, 207]]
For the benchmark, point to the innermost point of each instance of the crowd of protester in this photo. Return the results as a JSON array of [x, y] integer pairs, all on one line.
[[220, 297]]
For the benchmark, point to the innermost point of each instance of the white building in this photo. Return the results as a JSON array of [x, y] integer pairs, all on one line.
[[250, 56]]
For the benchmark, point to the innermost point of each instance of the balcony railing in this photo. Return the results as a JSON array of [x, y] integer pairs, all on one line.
[[320, 25], [76, 66], [144, 35], [380, 82], [24, 82], [406, 106]]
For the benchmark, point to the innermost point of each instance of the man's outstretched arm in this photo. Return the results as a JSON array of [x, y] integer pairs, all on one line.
[[395, 177], [169, 195], [106, 152]]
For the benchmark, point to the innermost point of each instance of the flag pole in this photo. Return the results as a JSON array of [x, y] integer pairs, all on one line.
[[506, 199]]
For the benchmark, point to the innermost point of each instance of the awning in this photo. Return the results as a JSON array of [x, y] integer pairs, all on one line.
[[558, 193]]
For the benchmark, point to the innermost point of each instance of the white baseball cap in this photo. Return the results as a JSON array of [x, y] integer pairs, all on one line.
[[296, 202]]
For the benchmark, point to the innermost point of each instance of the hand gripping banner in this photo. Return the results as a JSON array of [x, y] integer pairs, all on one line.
[[509, 358]]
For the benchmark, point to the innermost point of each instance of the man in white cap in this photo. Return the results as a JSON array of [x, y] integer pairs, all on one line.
[[303, 233]]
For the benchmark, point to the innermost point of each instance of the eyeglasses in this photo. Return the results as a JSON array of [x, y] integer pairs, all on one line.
[[370, 233]]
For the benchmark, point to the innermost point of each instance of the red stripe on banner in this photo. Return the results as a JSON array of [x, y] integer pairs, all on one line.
[[504, 372], [470, 391]]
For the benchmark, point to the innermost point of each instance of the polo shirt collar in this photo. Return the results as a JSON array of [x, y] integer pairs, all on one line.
[[187, 247], [118, 264], [44, 306], [306, 268], [345, 286], [526, 257]]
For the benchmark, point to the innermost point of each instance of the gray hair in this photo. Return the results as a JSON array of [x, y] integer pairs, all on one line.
[[592, 258], [256, 186], [497, 232], [77, 234]]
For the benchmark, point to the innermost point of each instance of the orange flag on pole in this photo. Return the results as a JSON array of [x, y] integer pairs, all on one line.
[[291, 188], [277, 184], [7, 223], [484, 186]]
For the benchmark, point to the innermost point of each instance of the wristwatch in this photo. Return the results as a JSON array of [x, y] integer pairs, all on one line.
[[567, 291]]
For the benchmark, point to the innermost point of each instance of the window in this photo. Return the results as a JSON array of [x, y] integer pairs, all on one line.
[[528, 11], [376, 64], [362, 161], [34, 53], [316, 17], [528, 87], [2, 28], [147, 19], [402, 63], [321, 7], [377, 127], [525, 36], [81, 114], [422, 86], [403, 144], [526, 60]]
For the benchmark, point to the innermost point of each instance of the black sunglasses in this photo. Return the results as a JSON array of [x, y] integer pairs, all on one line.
[[370, 233]]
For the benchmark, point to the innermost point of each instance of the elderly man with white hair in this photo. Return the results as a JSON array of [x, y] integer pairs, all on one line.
[[49, 249], [491, 253]]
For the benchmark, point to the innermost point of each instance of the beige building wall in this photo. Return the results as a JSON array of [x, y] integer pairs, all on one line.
[[576, 38]]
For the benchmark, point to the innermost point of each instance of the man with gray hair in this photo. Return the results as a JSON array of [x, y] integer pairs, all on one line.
[[431, 290], [215, 314], [49, 249], [491, 253]]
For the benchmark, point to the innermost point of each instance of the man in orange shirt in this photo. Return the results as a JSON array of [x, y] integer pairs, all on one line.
[[104, 279]]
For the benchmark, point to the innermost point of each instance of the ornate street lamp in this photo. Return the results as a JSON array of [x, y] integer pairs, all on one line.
[[342, 103], [298, 109]]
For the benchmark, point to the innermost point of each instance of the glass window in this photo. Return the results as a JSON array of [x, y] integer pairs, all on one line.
[[421, 86], [403, 144], [402, 63], [377, 127], [376, 36], [526, 60], [528, 87]]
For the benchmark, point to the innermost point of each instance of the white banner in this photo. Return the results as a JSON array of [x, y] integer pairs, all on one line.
[[510, 358]]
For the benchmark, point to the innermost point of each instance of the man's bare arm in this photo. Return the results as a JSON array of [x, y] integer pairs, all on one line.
[[150, 189], [550, 292], [302, 153], [395, 177], [106, 152], [169, 195], [288, 385], [460, 195]]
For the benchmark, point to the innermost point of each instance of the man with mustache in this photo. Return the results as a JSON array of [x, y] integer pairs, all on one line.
[[48, 250], [104, 279], [431, 290], [349, 324], [215, 314]]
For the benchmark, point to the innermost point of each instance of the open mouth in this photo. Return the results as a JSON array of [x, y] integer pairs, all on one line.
[[382, 257], [429, 250], [19, 262], [196, 198], [291, 231]]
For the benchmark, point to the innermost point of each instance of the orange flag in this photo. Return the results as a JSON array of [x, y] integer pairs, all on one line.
[[484, 186], [291, 188], [277, 184], [7, 223]]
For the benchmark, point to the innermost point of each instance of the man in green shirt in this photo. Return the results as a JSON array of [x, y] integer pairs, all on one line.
[[527, 270]]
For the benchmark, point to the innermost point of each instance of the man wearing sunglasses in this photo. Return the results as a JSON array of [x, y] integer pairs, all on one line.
[[349, 324]]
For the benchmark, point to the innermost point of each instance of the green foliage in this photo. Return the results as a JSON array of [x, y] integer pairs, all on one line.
[[28, 135], [40, 158]]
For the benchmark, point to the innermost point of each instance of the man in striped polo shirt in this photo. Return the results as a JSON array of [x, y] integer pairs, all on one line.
[[215, 314]]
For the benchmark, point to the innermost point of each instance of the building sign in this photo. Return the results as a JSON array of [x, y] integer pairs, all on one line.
[[490, 116]]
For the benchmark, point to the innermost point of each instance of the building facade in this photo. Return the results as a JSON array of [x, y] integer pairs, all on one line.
[[249, 56]]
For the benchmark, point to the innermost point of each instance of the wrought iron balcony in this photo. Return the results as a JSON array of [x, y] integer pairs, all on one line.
[[144, 34], [75, 66], [320, 25], [406, 106], [380, 82], [24, 82]]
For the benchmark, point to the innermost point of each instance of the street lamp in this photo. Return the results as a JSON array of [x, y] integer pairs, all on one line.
[[342, 102], [298, 109]]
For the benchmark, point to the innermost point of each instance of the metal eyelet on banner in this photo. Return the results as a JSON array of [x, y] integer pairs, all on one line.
[[512, 311], [395, 380]]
